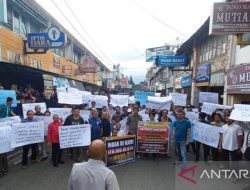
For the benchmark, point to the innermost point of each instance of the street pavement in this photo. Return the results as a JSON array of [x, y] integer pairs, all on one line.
[[143, 174]]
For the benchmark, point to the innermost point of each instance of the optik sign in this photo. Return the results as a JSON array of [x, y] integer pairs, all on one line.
[[54, 38]]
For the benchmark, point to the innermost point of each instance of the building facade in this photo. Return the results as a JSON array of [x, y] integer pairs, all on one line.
[[17, 19]]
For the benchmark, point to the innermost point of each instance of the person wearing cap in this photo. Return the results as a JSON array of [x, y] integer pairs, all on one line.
[[6, 109]]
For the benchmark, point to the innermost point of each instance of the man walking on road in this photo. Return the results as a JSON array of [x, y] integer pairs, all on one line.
[[93, 175], [181, 134]]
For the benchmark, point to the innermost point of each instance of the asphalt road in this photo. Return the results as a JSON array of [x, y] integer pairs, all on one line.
[[143, 174]]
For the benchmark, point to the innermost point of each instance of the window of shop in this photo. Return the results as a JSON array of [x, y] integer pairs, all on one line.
[[9, 17], [16, 23], [59, 52], [76, 57], [214, 48], [24, 27]]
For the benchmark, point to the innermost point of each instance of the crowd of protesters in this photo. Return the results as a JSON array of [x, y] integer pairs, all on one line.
[[105, 122]]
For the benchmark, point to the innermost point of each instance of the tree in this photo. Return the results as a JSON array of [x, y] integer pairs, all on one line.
[[131, 81]]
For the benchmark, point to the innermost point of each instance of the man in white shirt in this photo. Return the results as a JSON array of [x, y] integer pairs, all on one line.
[[93, 175], [231, 137]]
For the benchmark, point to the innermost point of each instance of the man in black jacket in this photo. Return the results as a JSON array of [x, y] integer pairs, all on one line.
[[76, 119]]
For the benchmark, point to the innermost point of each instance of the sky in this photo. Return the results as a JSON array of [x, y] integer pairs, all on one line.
[[120, 31]]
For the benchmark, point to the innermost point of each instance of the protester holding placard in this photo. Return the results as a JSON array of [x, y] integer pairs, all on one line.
[[206, 148], [181, 135], [116, 118], [76, 119], [6, 109], [44, 144], [96, 127], [133, 121], [53, 138], [231, 138], [30, 115], [163, 116], [125, 112], [216, 122], [105, 123]]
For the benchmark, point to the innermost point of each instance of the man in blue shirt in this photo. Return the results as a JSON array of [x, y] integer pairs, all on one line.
[[181, 135], [95, 122], [6, 109]]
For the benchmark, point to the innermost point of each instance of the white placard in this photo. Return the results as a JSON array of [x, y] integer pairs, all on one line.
[[209, 108], [99, 100], [85, 96], [27, 133], [47, 120], [5, 139], [9, 121], [192, 116], [145, 117], [62, 112], [72, 98], [160, 103], [74, 136], [179, 99], [131, 99], [209, 97], [119, 100], [158, 94], [241, 112], [31, 106], [85, 114], [206, 134]]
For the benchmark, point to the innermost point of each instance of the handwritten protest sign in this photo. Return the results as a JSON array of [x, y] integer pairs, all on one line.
[[209, 108], [179, 99], [152, 137], [85, 114], [119, 100], [5, 139], [72, 98], [4, 94], [62, 112], [9, 121], [32, 106], [100, 100], [47, 120], [206, 134], [85, 96], [209, 97], [27, 133], [241, 112], [120, 150], [74, 135], [159, 102], [192, 116]]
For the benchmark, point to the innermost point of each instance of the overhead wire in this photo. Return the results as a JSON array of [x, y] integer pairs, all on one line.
[[157, 18], [90, 47], [87, 33]]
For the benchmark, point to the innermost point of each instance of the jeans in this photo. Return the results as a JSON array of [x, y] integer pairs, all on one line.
[[181, 151]]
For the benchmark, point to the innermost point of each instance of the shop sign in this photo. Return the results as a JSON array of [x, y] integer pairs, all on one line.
[[230, 18], [203, 75], [217, 79], [186, 81], [171, 61], [48, 84], [152, 53], [238, 80], [54, 38], [178, 83], [87, 65]]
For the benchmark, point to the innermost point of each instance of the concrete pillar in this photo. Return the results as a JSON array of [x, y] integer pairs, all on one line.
[[3, 11], [194, 90]]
